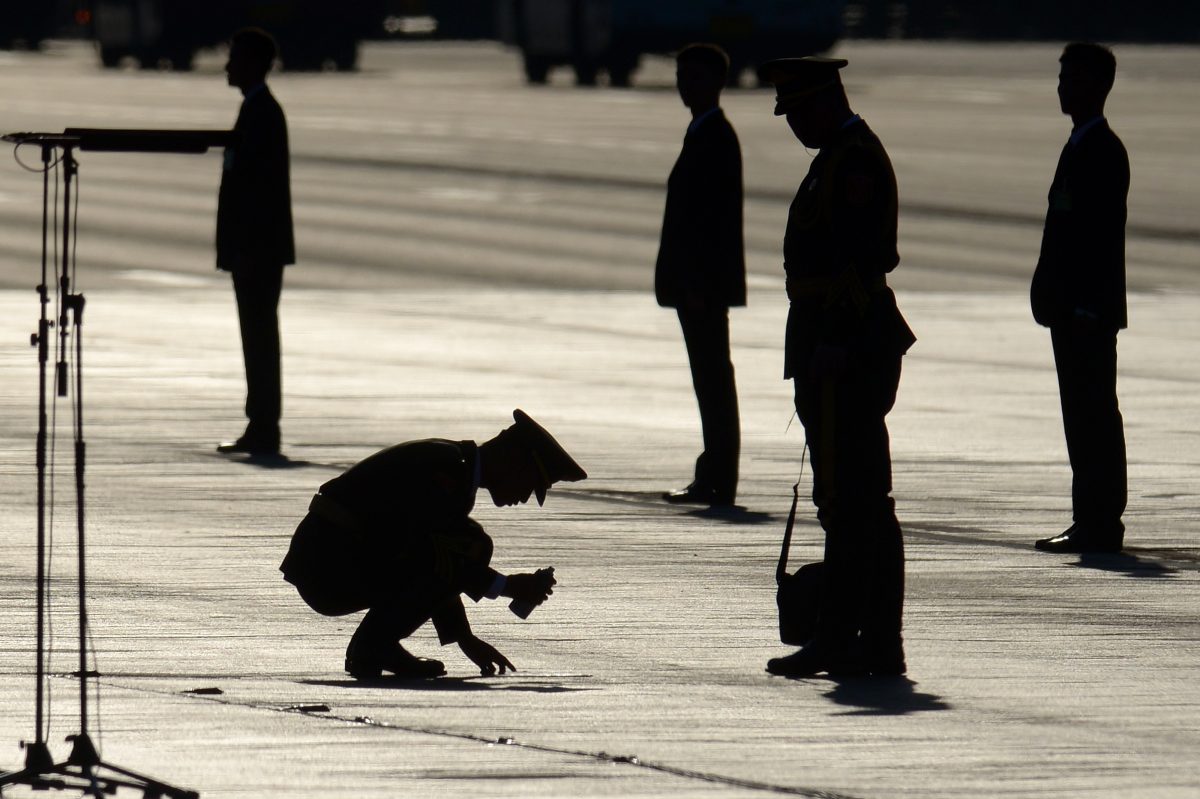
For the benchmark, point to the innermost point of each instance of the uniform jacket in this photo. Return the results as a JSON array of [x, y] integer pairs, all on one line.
[[254, 207], [839, 245], [414, 497], [1082, 261], [701, 246]]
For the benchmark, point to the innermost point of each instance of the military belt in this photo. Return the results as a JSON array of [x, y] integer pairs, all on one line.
[[818, 287]]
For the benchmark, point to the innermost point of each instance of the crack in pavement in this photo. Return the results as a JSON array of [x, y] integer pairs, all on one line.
[[311, 711]]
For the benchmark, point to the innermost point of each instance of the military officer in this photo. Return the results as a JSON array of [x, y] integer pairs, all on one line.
[[845, 340], [393, 536]]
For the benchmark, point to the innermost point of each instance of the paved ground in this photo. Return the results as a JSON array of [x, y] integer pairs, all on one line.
[[1031, 675], [437, 164]]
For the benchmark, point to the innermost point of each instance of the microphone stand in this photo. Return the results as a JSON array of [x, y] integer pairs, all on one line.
[[83, 770]]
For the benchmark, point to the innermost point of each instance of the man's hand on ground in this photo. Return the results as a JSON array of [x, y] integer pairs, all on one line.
[[485, 656], [534, 588]]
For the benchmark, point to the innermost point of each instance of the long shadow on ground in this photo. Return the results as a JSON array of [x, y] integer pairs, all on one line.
[[447, 684], [884, 697]]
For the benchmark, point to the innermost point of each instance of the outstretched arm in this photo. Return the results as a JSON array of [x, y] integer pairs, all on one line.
[[484, 655]]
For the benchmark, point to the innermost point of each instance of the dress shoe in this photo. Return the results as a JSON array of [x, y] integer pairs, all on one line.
[[249, 446], [1078, 538], [816, 657], [885, 661], [697, 495], [369, 665]]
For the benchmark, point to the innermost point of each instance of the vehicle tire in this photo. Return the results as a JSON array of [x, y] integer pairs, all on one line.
[[149, 59], [620, 71], [585, 74], [737, 65], [537, 69], [111, 56], [345, 56], [182, 60], [302, 59]]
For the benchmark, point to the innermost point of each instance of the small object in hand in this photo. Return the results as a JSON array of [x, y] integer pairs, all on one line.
[[523, 607]]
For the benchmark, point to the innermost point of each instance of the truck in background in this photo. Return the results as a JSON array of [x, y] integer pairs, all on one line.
[[611, 36], [312, 34], [27, 24]]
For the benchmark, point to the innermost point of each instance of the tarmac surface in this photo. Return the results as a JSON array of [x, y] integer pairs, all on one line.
[[457, 272]]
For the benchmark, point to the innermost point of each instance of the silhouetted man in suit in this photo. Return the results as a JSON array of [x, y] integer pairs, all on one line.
[[701, 268], [845, 341], [392, 535], [254, 233], [1079, 293]]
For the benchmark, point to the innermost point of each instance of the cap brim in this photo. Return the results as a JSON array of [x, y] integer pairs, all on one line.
[[563, 468]]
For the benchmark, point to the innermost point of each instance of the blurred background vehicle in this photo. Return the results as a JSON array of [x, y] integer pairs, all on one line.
[[595, 38], [312, 34], [611, 36], [1024, 20], [27, 24]]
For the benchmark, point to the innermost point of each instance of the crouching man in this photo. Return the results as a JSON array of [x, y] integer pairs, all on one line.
[[393, 536]]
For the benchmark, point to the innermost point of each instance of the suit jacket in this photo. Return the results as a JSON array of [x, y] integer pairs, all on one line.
[[1082, 263], [701, 247], [839, 246], [254, 207]]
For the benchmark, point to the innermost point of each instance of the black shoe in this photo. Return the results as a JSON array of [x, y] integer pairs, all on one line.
[[249, 446], [1078, 538], [696, 495], [398, 660], [885, 661], [816, 657]]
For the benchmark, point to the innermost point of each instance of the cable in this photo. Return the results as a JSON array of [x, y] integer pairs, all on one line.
[[26, 167], [50, 566], [53, 445], [75, 238], [77, 370], [96, 682]]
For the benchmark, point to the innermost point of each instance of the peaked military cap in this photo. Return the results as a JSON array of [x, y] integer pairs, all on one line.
[[796, 79], [553, 462]]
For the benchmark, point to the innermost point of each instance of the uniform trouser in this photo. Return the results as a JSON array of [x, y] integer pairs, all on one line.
[[399, 590], [706, 336], [847, 436], [257, 291], [1087, 386]]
